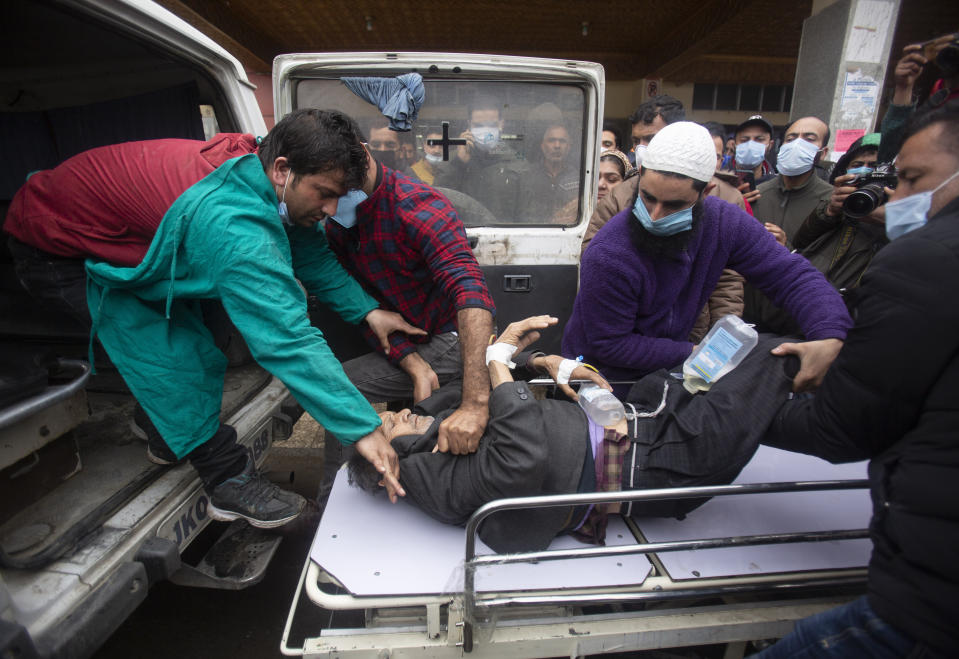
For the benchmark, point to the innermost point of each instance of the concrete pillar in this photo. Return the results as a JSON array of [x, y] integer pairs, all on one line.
[[843, 58]]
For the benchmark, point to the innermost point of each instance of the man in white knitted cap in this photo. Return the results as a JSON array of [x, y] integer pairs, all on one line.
[[651, 268]]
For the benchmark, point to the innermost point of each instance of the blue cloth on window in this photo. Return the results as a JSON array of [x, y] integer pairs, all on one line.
[[398, 98]]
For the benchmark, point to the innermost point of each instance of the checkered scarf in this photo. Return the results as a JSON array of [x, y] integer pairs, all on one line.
[[609, 471]]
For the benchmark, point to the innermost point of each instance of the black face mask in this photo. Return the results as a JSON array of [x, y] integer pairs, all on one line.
[[385, 157]]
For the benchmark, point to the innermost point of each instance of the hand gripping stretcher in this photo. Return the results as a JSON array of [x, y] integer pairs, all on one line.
[[785, 541]]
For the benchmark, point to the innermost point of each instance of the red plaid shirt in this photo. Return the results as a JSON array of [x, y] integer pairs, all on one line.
[[408, 249]]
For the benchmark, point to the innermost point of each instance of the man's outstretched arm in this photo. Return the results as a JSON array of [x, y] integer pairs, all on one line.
[[461, 431]]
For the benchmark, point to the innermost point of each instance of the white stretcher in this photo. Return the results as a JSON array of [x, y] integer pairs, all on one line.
[[787, 540]]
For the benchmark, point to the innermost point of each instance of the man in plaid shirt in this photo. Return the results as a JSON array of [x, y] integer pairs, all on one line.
[[406, 246]]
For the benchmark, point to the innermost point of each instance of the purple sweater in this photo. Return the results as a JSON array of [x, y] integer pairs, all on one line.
[[634, 312]]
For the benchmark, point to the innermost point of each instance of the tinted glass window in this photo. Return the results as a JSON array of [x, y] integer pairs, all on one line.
[[703, 96], [726, 96], [749, 97], [772, 98], [523, 161]]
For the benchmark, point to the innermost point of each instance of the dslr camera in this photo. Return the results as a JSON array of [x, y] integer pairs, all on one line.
[[870, 190]]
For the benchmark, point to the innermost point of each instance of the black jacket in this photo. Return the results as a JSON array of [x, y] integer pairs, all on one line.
[[892, 395], [530, 447]]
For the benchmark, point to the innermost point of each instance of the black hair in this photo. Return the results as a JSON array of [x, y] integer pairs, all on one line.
[[611, 127], [698, 185], [616, 161], [376, 123], [315, 141], [483, 102], [948, 116], [843, 163], [665, 106], [716, 129], [363, 474]]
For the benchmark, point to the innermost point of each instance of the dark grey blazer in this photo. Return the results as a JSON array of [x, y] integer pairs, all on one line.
[[530, 447]]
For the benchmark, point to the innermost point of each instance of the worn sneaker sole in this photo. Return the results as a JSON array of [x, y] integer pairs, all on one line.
[[157, 460], [228, 516], [141, 434], [137, 431]]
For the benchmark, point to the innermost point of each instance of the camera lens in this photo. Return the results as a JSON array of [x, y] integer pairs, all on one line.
[[864, 200]]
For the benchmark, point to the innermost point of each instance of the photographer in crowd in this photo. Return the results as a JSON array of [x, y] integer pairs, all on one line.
[[843, 233]]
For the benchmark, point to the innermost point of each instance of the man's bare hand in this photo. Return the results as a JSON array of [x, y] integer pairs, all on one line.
[[524, 333], [749, 196], [777, 232], [383, 323], [878, 215], [377, 450], [424, 378], [815, 358], [466, 151], [909, 66], [550, 363], [460, 432], [839, 193]]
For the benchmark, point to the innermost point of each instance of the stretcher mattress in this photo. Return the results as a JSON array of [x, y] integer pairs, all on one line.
[[786, 512], [373, 547]]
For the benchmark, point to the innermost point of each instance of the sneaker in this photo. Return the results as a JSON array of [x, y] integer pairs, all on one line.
[[157, 450], [250, 496]]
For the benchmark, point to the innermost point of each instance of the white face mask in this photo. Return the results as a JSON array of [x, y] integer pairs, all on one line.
[[796, 157], [912, 212], [485, 137], [749, 155], [433, 158]]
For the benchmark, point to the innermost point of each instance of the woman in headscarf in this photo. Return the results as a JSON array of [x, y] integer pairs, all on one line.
[[614, 167]]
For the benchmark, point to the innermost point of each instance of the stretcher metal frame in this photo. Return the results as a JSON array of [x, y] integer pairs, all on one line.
[[549, 623]]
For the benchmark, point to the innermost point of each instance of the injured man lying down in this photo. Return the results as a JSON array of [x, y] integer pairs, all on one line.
[[538, 447]]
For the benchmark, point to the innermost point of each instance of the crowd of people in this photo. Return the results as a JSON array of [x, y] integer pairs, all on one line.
[[688, 228]]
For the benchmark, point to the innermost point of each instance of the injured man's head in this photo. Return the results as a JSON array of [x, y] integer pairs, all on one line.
[[395, 424]]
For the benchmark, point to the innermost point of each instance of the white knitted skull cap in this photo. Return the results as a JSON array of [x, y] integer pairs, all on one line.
[[684, 148]]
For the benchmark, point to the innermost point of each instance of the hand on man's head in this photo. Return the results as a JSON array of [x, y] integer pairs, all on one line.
[[376, 448]]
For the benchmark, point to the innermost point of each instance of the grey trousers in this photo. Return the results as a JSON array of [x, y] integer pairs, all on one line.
[[380, 381]]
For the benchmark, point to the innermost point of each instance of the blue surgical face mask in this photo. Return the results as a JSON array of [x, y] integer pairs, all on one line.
[[281, 207], [667, 226], [860, 171], [485, 137], [749, 155], [346, 208], [796, 157], [910, 213]]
